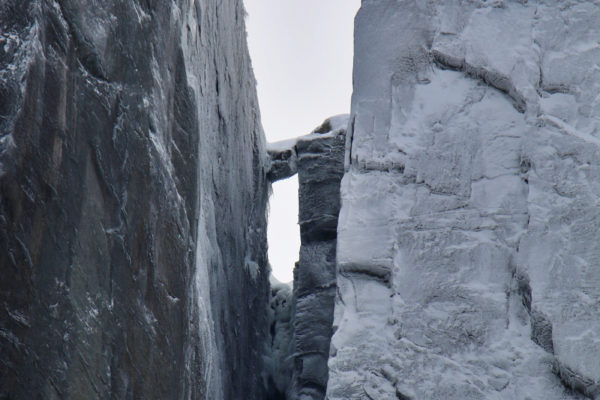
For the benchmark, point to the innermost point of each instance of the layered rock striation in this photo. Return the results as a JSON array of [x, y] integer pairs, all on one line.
[[318, 159], [467, 255], [132, 202]]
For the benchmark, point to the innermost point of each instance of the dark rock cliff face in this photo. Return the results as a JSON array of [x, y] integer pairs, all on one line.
[[320, 170], [318, 159], [132, 202]]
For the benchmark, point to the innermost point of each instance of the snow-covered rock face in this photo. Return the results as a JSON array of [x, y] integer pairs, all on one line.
[[468, 264], [132, 202]]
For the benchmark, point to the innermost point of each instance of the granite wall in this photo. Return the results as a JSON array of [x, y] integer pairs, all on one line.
[[132, 202]]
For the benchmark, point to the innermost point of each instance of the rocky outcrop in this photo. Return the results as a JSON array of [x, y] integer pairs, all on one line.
[[320, 170], [318, 159], [467, 256], [132, 202]]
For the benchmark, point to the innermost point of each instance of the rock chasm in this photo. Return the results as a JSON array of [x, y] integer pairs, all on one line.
[[449, 223]]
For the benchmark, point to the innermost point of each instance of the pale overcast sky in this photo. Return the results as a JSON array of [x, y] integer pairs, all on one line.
[[301, 53]]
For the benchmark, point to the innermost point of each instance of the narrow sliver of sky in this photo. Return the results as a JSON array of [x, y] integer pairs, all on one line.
[[301, 54]]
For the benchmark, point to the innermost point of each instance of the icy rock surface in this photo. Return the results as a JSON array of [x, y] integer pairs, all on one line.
[[318, 158], [132, 202], [279, 360], [320, 171], [468, 263]]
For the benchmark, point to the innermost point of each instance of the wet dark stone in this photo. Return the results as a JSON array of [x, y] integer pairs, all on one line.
[[320, 170], [116, 152]]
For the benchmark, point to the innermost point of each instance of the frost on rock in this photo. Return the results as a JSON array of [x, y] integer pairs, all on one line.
[[132, 202], [468, 264], [318, 159], [278, 358], [283, 155]]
